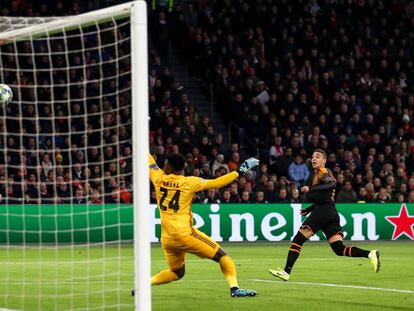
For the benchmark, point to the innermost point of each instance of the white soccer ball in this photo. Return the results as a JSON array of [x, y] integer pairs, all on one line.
[[6, 94]]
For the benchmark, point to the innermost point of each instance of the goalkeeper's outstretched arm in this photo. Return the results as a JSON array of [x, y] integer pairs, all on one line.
[[220, 181], [224, 180]]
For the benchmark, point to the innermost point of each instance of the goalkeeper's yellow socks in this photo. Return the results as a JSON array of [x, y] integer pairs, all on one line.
[[229, 270], [165, 276]]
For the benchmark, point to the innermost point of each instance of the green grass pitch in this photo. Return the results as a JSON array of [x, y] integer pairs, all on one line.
[[100, 278]]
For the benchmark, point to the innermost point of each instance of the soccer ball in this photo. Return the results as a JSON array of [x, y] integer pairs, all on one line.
[[6, 94]]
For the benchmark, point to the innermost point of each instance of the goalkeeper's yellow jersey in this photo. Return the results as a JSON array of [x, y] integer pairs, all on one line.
[[174, 196]]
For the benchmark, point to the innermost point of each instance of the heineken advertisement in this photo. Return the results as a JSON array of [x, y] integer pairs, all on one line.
[[223, 222], [277, 222]]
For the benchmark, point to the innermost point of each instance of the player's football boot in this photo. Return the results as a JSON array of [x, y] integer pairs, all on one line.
[[133, 292], [280, 273], [238, 292], [374, 257]]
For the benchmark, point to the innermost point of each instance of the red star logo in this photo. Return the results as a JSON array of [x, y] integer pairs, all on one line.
[[403, 224]]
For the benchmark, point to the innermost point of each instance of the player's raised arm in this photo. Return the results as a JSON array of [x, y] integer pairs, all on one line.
[[219, 182], [155, 171], [205, 184]]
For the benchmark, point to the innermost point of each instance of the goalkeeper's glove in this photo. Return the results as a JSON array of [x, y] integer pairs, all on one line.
[[248, 165]]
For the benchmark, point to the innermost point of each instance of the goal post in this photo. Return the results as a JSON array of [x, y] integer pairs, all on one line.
[[78, 121], [142, 219]]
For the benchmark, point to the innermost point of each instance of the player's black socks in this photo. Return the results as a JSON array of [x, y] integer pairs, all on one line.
[[358, 252], [294, 251], [351, 251]]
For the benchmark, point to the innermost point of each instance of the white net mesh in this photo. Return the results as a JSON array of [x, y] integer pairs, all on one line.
[[65, 164], [13, 23]]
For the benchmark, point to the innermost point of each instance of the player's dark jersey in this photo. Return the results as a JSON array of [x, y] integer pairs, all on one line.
[[322, 186], [323, 215]]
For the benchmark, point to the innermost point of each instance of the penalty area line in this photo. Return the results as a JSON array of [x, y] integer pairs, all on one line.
[[381, 289]]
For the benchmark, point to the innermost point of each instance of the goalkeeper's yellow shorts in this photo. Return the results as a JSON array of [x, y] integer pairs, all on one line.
[[198, 243]]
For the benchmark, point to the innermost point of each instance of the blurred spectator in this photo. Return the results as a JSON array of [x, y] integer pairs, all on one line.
[[245, 197], [226, 196], [283, 162], [283, 196], [382, 196], [63, 192], [295, 197], [124, 193], [363, 196], [410, 198], [79, 197], [270, 193], [189, 165], [233, 164], [399, 198], [298, 171], [212, 197], [205, 171], [95, 197], [261, 184], [260, 197], [218, 163], [347, 194], [275, 151], [234, 193]]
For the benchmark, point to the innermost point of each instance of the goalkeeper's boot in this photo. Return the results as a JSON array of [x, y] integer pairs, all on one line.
[[238, 292], [374, 257], [280, 273], [133, 292]]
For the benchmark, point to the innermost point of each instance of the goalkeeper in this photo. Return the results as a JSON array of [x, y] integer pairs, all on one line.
[[175, 193]]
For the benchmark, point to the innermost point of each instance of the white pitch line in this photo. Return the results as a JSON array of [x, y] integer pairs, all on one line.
[[381, 289], [94, 261], [392, 290]]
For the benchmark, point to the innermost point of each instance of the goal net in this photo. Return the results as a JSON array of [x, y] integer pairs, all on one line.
[[68, 148]]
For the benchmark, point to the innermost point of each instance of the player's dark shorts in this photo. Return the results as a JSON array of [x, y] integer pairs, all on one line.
[[325, 218]]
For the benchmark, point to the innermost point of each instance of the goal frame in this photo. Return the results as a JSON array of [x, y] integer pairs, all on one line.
[[140, 143]]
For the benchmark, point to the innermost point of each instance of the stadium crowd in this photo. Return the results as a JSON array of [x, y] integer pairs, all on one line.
[[68, 140], [297, 75], [293, 75]]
